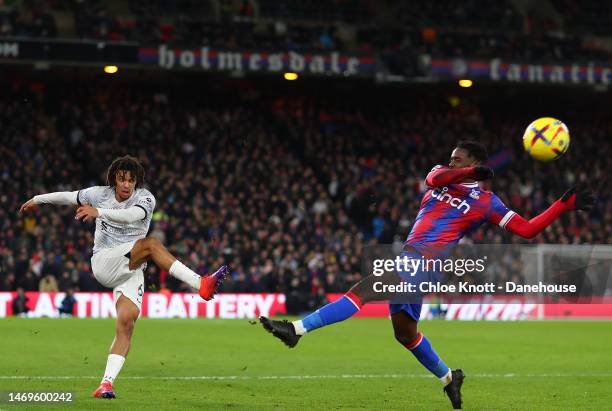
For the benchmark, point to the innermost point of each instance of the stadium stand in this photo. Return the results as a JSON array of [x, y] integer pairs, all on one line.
[[465, 29], [287, 190]]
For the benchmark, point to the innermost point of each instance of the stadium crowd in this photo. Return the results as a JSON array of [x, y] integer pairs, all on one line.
[[287, 190], [440, 29]]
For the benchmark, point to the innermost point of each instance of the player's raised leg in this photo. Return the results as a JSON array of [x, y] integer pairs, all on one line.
[[406, 333], [151, 248], [340, 310], [127, 314]]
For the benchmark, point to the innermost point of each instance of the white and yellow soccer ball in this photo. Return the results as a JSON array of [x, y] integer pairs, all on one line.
[[546, 139]]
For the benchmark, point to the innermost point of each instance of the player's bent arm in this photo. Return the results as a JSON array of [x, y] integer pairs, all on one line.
[[441, 176], [57, 198], [570, 201], [126, 216]]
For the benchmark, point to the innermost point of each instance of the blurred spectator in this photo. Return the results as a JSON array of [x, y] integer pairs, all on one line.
[[27, 19], [51, 266], [20, 303], [9, 283], [48, 283], [29, 281], [66, 307], [65, 281]]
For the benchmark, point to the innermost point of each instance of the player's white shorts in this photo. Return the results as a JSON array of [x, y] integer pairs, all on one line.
[[111, 268]]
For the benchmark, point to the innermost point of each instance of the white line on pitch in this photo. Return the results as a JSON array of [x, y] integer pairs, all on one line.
[[298, 377]]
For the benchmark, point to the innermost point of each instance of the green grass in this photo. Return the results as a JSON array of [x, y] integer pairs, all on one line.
[[509, 365]]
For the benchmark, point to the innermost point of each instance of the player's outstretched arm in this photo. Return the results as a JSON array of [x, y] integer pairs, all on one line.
[[442, 176], [571, 200], [57, 198]]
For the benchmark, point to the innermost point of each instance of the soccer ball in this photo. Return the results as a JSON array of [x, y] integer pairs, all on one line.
[[546, 139]]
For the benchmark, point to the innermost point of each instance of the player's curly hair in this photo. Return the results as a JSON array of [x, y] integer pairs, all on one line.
[[475, 149], [125, 163]]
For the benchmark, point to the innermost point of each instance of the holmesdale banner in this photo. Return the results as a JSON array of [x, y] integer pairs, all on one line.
[[207, 59]]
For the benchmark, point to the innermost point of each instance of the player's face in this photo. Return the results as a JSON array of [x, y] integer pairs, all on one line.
[[461, 158], [125, 183]]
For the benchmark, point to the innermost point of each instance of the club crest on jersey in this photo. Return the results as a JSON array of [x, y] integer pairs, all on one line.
[[475, 194], [444, 197]]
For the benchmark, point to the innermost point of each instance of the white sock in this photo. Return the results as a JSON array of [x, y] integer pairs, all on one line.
[[183, 273], [299, 327], [113, 366], [447, 378]]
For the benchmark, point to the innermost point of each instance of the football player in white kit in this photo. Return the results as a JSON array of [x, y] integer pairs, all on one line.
[[123, 210]]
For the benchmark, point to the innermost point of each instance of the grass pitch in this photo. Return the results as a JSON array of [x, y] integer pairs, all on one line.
[[231, 364]]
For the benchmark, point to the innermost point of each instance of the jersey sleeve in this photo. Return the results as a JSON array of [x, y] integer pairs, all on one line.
[[428, 176], [498, 212], [440, 176], [90, 196], [147, 202]]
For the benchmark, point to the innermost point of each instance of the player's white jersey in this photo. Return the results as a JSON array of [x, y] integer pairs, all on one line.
[[109, 233]]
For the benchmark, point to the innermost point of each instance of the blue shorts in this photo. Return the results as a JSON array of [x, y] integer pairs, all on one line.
[[412, 308]]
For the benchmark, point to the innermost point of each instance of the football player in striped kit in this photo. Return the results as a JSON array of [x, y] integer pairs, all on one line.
[[454, 205]]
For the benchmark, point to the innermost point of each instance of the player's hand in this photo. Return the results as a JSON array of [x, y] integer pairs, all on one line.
[[581, 199], [28, 206], [86, 213], [483, 173]]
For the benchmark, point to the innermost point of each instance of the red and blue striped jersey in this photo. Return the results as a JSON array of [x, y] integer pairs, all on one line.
[[448, 213]]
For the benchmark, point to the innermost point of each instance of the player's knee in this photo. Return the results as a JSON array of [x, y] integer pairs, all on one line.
[[125, 325], [126, 320], [404, 337], [364, 291]]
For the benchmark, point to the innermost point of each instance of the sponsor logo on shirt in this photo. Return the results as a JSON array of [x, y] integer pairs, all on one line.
[[444, 197]]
